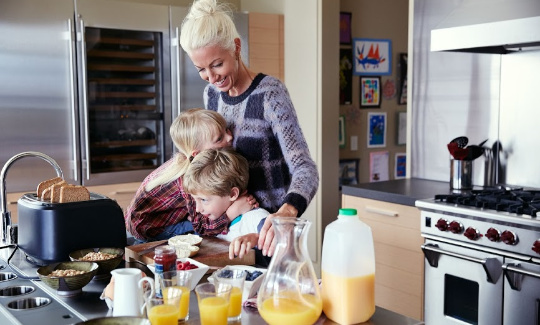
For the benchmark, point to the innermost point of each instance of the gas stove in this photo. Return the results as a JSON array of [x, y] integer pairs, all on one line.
[[499, 218]]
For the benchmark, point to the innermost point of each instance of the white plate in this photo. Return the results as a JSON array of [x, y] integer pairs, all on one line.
[[198, 273]]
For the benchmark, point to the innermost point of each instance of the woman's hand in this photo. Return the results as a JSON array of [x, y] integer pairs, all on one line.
[[240, 246], [267, 241]]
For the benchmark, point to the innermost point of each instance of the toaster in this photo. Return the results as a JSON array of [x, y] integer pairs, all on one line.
[[49, 232]]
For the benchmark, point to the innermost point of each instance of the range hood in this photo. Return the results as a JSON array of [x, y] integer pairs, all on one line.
[[495, 27]]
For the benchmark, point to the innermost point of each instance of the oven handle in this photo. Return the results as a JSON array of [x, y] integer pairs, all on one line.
[[515, 275], [492, 266]]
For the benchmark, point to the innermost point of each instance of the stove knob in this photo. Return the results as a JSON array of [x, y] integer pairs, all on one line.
[[455, 227], [509, 238], [536, 246], [442, 225], [472, 233], [493, 234]]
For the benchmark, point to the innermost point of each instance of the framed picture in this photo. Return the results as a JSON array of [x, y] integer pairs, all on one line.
[[401, 128], [370, 92], [372, 56], [342, 131], [345, 19], [402, 99], [348, 171], [400, 169], [376, 130], [345, 76], [378, 166]]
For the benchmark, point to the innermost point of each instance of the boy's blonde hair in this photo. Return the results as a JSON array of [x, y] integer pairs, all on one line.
[[216, 172], [208, 23], [190, 131]]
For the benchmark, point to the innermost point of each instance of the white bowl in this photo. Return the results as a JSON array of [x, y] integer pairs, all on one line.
[[197, 273], [250, 287]]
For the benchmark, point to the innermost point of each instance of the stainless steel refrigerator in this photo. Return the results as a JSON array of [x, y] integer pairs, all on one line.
[[94, 84]]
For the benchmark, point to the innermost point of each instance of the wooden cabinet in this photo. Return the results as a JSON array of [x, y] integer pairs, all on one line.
[[123, 193], [266, 50], [399, 273]]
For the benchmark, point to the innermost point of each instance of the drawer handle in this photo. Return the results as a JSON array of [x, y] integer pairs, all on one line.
[[381, 211], [123, 192], [12, 202]]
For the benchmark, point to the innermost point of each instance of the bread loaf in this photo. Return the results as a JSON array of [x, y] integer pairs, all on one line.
[[46, 184], [73, 193]]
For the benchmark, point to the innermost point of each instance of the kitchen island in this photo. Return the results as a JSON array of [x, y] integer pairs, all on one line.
[[87, 304]]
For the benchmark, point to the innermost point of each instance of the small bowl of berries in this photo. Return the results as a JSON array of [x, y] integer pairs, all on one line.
[[253, 280], [197, 269]]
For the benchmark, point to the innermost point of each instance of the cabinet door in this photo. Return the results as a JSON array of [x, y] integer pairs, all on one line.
[[266, 50], [399, 274]]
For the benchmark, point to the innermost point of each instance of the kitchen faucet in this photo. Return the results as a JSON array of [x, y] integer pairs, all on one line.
[[6, 215]]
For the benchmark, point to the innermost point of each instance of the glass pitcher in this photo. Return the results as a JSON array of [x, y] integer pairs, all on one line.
[[290, 291]]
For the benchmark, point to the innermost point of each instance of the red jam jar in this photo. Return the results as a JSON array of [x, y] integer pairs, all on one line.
[[164, 261]]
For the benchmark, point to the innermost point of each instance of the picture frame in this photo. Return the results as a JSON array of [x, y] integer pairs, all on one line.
[[342, 131], [378, 166], [402, 99], [376, 137], [348, 171], [345, 21], [370, 92], [401, 128], [345, 76], [400, 166], [372, 56]]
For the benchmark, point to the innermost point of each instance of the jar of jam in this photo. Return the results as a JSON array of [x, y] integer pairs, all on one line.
[[164, 261]]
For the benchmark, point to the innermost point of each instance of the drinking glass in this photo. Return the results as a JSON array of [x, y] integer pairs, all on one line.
[[213, 301], [236, 279], [164, 311], [178, 280]]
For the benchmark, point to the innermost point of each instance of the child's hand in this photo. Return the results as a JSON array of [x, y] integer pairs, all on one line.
[[252, 201], [240, 246]]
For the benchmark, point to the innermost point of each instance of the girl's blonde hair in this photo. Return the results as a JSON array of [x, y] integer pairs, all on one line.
[[190, 131], [208, 23], [216, 172]]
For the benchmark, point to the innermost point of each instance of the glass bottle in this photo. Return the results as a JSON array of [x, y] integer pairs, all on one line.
[[290, 292], [164, 260]]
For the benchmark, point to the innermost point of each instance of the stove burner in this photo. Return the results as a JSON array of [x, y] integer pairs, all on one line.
[[516, 201]]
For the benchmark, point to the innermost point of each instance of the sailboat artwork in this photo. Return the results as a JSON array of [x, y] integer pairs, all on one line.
[[372, 56]]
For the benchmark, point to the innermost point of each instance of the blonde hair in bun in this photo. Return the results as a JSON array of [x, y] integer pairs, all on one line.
[[208, 22]]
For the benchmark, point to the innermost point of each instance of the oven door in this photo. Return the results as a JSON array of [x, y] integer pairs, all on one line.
[[521, 293], [462, 285]]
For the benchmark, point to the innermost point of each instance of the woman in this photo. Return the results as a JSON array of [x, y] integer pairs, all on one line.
[[258, 111]]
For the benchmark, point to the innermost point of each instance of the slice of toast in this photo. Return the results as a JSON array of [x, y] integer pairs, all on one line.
[[73, 193], [46, 195], [46, 184], [55, 191]]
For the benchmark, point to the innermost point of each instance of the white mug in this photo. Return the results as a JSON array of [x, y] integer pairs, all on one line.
[[128, 292]]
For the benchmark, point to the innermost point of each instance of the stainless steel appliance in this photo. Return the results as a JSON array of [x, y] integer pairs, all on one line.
[[482, 250], [95, 85]]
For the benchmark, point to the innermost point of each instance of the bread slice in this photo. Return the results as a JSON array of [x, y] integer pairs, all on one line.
[[184, 250], [55, 191], [46, 184], [46, 195], [74, 193]]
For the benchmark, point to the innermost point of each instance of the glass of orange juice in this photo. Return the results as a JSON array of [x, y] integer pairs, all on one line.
[[213, 302], [164, 312], [178, 280], [236, 278]]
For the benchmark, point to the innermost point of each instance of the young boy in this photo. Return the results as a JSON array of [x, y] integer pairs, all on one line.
[[217, 179]]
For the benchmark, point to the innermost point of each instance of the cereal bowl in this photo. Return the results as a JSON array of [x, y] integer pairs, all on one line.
[[66, 284], [98, 255]]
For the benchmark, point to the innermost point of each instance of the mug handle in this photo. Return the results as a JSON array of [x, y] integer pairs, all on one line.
[[152, 291]]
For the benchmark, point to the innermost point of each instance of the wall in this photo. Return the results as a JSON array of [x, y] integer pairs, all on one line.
[[385, 19]]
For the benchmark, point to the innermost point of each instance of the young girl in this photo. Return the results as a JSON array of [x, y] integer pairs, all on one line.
[[161, 209]]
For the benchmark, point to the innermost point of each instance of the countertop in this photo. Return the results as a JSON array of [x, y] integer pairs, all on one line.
[[402, 191], [69, 310]]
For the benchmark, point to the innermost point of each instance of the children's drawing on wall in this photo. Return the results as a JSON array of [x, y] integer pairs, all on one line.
[[376, 130], [400, 170], [389, 89], [378, 166], [372, 56], [403, 79], [345, 76], [370, 92]]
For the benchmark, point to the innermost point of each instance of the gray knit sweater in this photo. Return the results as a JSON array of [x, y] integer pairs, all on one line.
[[266, 131]]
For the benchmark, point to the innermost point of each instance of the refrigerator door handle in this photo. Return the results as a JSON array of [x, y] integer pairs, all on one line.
[[73, 97], [176, 43], [85, 101]]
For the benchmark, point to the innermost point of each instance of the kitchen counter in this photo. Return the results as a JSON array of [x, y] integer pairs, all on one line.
[[87, 305], [402, 191]]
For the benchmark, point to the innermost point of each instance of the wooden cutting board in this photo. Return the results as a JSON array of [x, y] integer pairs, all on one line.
[[213, 252]]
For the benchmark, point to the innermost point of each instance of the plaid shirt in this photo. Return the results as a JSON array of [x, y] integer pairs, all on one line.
[[150, 212]]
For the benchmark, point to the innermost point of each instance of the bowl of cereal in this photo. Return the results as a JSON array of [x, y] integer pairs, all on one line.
[[108, 258], [68, 278]]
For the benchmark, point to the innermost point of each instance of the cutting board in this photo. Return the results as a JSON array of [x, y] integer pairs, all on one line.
[[213, 252]]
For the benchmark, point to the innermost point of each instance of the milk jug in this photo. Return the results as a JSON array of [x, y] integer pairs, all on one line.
[[348, 270]]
